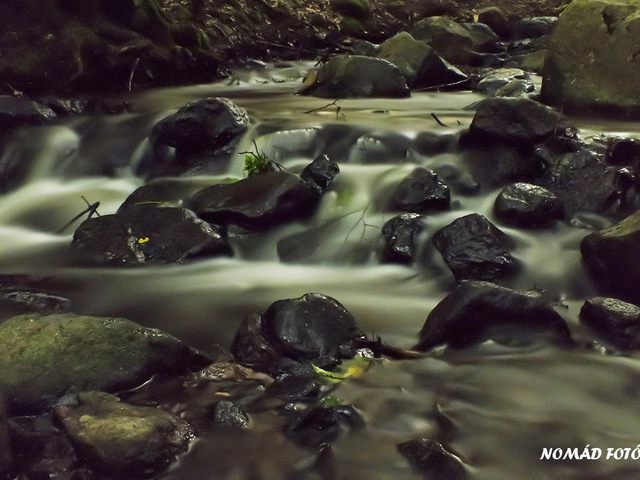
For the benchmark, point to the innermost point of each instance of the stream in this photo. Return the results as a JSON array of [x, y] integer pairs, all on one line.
[[495, 407]]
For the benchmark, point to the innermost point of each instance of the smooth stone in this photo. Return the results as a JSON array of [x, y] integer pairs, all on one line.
[[615, 322], [527, 205]]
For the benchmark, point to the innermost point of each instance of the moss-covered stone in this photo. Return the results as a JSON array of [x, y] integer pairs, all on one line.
[[44, 356], [123, 439], [592, 59]]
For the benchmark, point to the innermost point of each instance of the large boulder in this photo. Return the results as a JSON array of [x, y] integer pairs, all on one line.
[[258, 202], [592, 48], [45, 356], [146, 234], [204, 134], [451, 40], [478, 311], [474, 248], [356, 76], [527, 205], [615, 322], [611, 255], [123, 439]]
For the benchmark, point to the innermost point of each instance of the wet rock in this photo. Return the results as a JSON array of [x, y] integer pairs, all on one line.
[[478, 311], [311, 328], [532, 61], [449, 39], [606, 33], [258, 202], [474, 248], [204, 134], [166, 192], [496, 79], [320, 173], [146, 234], [432, 460], [611, 255], [229, 414], [6, 455], [420, 192], [581, 181], [295, 388], [615, 322], [436, 72], [400, 236], [497, 163], [123, 439], [518, 121], [321, 424], [251, 347], [497, 20], [44, 356], [356, 76], [19, 112], [533, 27], [527, 205]]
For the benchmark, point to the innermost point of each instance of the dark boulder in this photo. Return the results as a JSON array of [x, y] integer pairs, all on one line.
[[420, 192], [311, 328], [497, 20], [320, 173], [611, 255], [624, 152], [436, 73], [406, 53], [147, 234], [474, 248], [19, 112], [478, 311], [400, 238], [322, 424], [533, 27], [484, 39], [615, 322], [123, 439], [496, 163], [204, 134], [519, 121], [356, 76], [432, 460], [258, 202], [527, 205], [165, 192]]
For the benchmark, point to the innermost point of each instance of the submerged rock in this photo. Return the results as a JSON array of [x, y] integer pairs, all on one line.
[[145, 234], [123, 439], [322, 424], [527, 205], [611, 255], [400, 236], [474, 248], [45, 356], [19, 112], [478, 311], [432, 460], [258, 202], [615, 322], [356, 76], [420, 192], [229, 414], [204, 134], [23, 293]]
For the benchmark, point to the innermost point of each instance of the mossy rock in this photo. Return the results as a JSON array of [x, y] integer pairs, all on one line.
[[592, 48], [42, 357], [123, 439]]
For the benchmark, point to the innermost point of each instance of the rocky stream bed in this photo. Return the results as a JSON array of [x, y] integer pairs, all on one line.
[[395, 262]]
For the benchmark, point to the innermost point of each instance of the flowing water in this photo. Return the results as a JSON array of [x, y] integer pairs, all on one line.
[[495, 407]]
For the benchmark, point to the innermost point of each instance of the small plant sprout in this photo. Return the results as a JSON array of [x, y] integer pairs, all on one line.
[[257, 162]]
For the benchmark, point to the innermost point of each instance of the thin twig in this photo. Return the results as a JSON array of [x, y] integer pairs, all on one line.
[[438, 121], [133, 69], [92, 208], [326, 106]]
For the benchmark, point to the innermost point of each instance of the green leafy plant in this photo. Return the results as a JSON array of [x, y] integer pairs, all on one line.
[[257, 162]]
